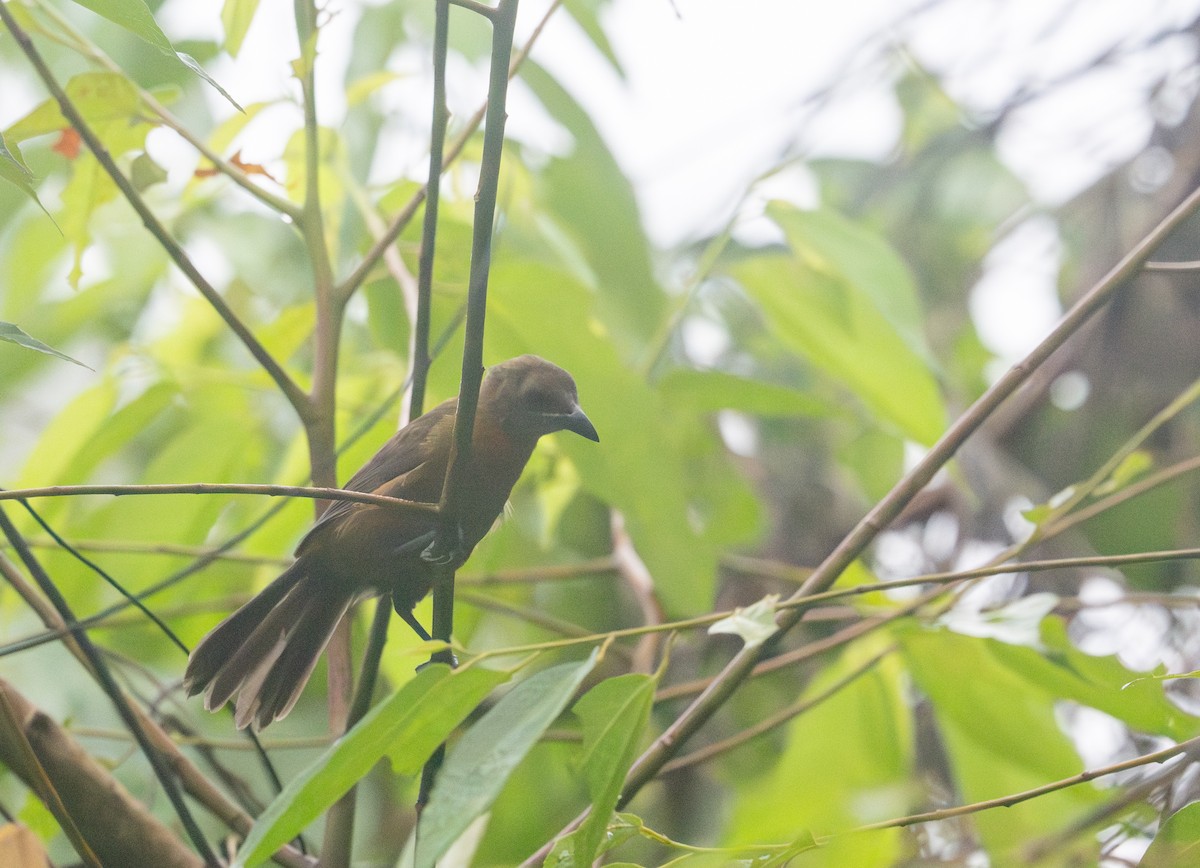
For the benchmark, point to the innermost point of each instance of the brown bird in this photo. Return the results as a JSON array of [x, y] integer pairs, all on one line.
[[265, 652]]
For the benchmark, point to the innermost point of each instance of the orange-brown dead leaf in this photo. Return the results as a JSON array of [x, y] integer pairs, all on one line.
[[236, 160], [68, 143]]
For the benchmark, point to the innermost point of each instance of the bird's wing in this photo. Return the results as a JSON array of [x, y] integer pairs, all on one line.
[[405, 466]]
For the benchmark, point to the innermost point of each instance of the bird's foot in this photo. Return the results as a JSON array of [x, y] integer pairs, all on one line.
[[443, 552], [441, 657]]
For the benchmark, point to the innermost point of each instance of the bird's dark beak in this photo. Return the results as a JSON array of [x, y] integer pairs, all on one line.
[[578, 422]]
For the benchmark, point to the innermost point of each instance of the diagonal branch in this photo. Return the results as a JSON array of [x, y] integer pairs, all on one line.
[[295, 395], [79, 42], [102, 674], [870, 526]]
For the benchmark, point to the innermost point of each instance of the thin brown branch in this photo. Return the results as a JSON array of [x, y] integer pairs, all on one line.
[[717, 748], [633, 570], [488, 12], [195, 783], [315, 493], [1129, 492], [1193, 265], [1189, 746], [813, 649]]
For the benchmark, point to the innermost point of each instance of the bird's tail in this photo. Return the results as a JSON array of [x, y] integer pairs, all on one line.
[[265, 652]]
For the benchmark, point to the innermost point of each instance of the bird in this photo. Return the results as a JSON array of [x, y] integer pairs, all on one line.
[[263, 654]]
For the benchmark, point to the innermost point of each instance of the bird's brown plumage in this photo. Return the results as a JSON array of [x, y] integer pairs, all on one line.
[[264, 652]]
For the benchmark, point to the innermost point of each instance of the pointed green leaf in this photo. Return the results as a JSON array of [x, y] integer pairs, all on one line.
[[410, 724], [14, 170], [236, 16], [842, 299], [135, 16], [614, 714], [478, 766], [14, 335]]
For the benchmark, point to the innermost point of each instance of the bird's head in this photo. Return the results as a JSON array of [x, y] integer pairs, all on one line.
[[532, 397]]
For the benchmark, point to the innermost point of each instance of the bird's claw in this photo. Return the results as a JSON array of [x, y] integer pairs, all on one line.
[[450, 658], [440, 553]]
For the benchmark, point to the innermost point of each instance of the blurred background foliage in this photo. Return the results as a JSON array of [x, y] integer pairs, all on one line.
[[756, 390]]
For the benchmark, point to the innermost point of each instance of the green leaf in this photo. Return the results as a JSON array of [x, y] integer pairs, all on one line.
[[614, 714], [596, 208], [100, 97], [360, 89], [585, 14], [708, 391], [841, 298], [135, 16], [14, 170], [1101, 682], [665, 471], [1001, 734], [478, 766], [409, 725], [236, 16], [1177, 842], [754, 623], [1131, 467], [14, 335], [144, 172], [843, 785], [112, 107]]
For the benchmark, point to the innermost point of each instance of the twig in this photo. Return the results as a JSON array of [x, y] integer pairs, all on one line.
[[636, 574], [316, 493], [1008, 801], [1173, 266], [419, 360], [769, 723], [1118, 497]]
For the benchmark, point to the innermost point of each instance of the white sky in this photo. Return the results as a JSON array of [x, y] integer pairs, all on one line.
[[716, 92]]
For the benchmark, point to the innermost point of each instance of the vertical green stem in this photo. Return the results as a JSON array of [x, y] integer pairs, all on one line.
[[437, 146], [503, 26]]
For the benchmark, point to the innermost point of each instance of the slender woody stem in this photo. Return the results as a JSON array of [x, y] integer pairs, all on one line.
[[503, 26]]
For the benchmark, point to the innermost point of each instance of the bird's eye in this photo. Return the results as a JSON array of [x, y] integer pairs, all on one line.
[[541, 401]]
